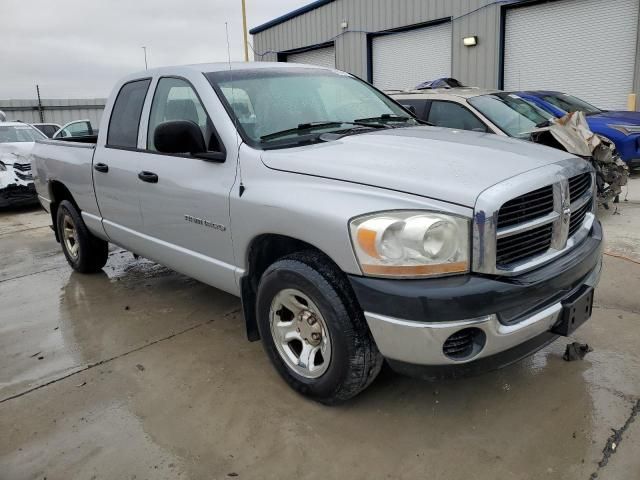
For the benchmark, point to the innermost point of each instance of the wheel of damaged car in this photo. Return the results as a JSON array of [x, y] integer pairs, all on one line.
[[85, 252], [313, 330]]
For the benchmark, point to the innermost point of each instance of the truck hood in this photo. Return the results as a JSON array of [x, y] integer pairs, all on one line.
[[440, 163], [15, 152]]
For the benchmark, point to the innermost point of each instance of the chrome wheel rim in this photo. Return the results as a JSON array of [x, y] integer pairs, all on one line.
[[300, 333], [70, 236]]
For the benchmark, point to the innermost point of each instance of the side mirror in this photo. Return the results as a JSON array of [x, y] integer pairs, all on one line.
[[179, 136], [411, 108]]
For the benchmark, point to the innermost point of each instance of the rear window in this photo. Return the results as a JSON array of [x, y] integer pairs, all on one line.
[[125, 117]]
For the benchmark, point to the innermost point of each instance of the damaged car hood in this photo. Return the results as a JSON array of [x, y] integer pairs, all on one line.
[[15, 152], [440, 163]]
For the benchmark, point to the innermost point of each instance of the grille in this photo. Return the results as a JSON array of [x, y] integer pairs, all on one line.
[[464, 343], [529, 206], [23, 167], [523, 245], [579, 185], [577, 218]]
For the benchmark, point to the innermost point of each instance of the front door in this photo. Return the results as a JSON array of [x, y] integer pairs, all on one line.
[[185, 200], [115, 167]]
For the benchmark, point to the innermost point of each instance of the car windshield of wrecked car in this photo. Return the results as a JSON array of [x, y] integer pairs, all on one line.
[[19, 134], [283, 107], [569, 103], [510, 113]]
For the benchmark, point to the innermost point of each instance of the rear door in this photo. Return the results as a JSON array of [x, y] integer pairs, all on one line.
[[185, 202], [115, 167]]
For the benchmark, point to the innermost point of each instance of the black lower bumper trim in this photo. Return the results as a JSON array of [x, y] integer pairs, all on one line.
[[14, 195], [470, 296], [476, 367]]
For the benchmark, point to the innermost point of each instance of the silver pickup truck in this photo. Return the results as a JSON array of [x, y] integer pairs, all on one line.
[[352, 233]]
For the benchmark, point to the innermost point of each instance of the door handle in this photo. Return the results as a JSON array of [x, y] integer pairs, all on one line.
[[148, 177], [101, 167]]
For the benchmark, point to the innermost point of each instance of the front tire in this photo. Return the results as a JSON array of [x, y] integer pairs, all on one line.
[[314, 331], [85, 252]]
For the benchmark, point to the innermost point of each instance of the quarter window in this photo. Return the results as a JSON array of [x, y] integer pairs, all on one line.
[[175, 99], [125, 117]]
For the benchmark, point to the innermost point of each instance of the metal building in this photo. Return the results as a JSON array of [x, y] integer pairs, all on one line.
[[588, 48], [58, 111]]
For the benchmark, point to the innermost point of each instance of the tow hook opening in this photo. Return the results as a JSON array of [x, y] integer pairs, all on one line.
[[464, 344]]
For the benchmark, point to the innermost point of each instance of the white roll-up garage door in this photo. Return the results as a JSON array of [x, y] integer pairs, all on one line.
[[323, 57], [582, 47], [405, 59]]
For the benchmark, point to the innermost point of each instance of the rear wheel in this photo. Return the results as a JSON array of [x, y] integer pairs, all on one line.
[[85, 252], [313, 330]]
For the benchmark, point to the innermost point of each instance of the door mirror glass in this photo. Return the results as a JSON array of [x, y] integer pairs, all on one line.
[[179, 136]]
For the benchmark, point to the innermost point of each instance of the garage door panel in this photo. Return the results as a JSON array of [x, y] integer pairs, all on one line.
[[323, 57], [405, 59], [593, 44]]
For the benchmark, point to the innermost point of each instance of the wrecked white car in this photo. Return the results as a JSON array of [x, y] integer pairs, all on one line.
[[16, 181], [507, 114]]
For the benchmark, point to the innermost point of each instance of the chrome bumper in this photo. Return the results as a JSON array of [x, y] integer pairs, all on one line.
[[420, 343]]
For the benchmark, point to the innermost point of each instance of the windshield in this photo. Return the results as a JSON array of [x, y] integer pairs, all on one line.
[[510, 113], [284, 106], [19, 134], [570, 103]]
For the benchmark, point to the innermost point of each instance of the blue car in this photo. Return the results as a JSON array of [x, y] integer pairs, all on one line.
[[622, 128]]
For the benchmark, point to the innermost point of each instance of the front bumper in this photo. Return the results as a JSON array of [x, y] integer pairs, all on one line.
[[511, 312], [18, 195]]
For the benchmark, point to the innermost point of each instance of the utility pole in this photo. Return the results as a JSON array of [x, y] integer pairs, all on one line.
[[244, 31], [40, 110], [146, 67]]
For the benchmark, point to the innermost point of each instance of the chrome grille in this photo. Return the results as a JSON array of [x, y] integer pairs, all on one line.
[[523, 245], [577, 218], [517, 229], [579, 185], [526, 207]]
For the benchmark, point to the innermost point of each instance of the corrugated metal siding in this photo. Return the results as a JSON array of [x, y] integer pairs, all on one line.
[[58, 111], [601, 71], [474, 66]]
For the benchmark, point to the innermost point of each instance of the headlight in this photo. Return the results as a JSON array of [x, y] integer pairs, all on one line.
[[626, 129], [411, 244]]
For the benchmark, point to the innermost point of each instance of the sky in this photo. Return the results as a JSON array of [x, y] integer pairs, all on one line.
[[80, 48]]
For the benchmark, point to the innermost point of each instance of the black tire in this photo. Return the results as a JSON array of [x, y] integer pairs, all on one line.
[[92, 252], [355, 360]]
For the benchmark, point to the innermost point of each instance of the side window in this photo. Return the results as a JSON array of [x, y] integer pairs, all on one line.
[[125, 116], [453, 115], [175, 99], [77, 129]]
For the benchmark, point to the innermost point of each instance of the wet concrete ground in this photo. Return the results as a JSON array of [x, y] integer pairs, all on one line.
[[139, 372]]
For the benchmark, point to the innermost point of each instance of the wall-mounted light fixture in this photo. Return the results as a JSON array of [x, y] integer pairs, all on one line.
[[470, 41], [344, 24]]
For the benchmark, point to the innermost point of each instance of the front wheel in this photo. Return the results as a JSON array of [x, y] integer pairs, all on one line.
[[313, 330], [85, 252]]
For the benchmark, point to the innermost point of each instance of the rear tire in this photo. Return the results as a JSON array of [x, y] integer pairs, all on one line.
[[85, 252], [321, 315]]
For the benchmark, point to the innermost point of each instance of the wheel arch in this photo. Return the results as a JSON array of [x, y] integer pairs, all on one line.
[[57, 193], [263, 251]]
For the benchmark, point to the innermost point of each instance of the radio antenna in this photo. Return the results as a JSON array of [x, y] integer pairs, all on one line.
[[235, 116]]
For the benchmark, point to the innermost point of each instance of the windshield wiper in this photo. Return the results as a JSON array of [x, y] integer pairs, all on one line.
[[309, 126], [388, 117]]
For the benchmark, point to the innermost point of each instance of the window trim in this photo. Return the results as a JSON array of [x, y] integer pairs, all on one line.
[[115, 102], [488, 128], [223, 149]]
